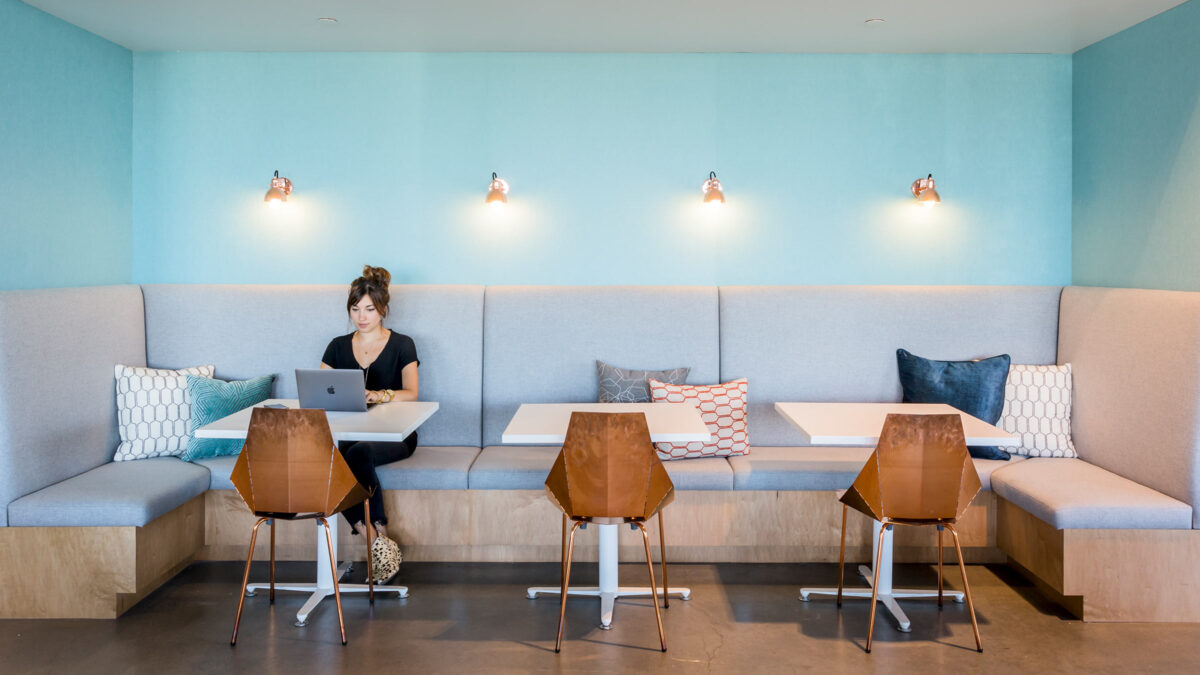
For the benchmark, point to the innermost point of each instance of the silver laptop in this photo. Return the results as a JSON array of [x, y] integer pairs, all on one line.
[[332, 389]]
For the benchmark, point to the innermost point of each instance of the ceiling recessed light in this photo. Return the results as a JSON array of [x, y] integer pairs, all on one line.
[[327, 19], [875, 21]]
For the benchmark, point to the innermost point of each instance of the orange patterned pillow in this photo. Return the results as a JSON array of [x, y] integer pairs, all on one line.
[[723, 409]]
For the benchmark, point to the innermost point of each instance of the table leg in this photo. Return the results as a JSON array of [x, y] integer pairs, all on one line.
[[609, 589], [887, 594], [323, 586]]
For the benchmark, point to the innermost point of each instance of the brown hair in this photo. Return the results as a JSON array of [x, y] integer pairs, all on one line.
[[374, 283]]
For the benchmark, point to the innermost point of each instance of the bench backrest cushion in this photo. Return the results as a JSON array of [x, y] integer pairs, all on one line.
[[1135, 355], [58, 349], [248, 331], [838, 343], [541, 343]]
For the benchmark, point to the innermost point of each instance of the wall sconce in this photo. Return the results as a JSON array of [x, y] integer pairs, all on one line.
[[925, 191], [712, 190], [279, 191], [497, 191]]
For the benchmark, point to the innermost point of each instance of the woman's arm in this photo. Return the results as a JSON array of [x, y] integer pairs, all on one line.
[[408, 393]]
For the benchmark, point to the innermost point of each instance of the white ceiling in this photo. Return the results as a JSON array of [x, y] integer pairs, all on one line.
[[929, 26]]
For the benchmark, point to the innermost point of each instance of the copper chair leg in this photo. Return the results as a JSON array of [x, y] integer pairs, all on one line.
[[566, 585], [237, 619], [940, 533], [563, 547], [370, 562], [966, 589], [662, 639], [842, 558], [337, 596], [272, 595], [662, 553], [875, 585]]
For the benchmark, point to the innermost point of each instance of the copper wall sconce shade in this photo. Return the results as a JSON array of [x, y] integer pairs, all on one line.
[[290, 469], [279, 190], [925, 190], [497, 191], [713, 193], [920, 474], [608, 473]]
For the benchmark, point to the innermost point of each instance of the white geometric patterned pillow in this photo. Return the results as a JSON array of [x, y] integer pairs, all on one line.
[[1037, 407], [153, 410], [723, 409]]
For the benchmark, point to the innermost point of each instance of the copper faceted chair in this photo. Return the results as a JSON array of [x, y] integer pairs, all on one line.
[[607, 473], [920, 474], [290, 469]]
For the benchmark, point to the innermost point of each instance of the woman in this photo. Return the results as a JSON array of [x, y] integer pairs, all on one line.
[[389, 364]]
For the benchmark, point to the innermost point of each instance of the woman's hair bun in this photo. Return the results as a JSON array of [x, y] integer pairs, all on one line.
[[376, 276]]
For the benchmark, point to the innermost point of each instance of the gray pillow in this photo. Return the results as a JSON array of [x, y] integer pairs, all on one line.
[[619, 385]]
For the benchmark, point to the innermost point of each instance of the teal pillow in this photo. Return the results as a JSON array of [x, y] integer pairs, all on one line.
[[974, 387], [213, 399]]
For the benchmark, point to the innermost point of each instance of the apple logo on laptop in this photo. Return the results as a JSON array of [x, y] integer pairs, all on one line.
[[330, 389]]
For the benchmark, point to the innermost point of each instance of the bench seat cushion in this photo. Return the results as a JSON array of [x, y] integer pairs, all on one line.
[[116, 494], [429, 468], [818, 468], [524, 467], [219, 470], [1072, 494]]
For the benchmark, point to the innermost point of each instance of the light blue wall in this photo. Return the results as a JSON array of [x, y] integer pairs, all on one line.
[[1137, 155], [391, 155], [65, 153]]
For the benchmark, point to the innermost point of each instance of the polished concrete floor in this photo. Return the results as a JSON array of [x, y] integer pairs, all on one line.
[[475, 617]]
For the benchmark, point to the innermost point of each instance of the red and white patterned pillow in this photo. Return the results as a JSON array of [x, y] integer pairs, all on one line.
[[723, 409]]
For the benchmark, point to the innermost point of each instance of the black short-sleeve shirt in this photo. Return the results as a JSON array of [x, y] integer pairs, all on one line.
[[385, 371]]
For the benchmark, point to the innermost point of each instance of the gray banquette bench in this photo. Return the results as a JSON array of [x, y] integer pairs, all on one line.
[[1110, 535]]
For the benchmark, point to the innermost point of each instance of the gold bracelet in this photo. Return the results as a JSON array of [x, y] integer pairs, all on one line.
[[391, 395]]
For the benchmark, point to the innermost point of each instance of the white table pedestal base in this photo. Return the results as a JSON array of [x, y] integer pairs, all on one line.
[[323, 588], [608, 591], [887, 594]]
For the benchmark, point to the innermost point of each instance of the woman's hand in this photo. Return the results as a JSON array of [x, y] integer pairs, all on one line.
[[382, 396]]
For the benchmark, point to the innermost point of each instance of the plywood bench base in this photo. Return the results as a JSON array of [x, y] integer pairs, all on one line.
[[93, 572], [1106, 575], [522, 526]]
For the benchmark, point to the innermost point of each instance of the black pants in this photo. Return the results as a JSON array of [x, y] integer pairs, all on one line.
[[363, 457]]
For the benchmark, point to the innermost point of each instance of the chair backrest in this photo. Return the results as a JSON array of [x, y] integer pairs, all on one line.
[[920, 470], [608, 468], [290, 465]]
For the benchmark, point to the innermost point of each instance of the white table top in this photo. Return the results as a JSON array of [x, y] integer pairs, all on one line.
[[546, 423], [859, 424], [382, 422]]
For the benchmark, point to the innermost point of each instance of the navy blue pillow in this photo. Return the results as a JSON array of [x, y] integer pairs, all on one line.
[[974, 387]]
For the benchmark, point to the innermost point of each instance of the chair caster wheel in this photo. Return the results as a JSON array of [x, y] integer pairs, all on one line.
[[300, 624], [250, 594]]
